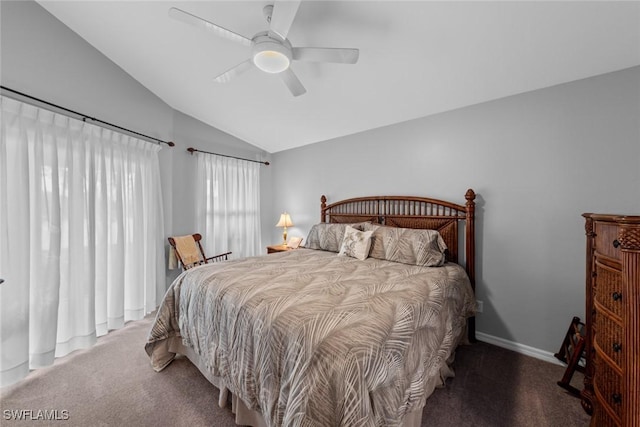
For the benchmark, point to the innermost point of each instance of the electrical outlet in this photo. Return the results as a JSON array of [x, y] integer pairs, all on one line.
[[479, 306]]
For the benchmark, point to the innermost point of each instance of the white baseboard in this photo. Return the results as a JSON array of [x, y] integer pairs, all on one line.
[[519, 348]]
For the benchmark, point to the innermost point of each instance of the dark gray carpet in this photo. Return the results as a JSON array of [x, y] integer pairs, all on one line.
[[495, 387], [112, 384]]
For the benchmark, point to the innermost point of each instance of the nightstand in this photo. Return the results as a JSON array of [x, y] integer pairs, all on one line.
[[277, 248]]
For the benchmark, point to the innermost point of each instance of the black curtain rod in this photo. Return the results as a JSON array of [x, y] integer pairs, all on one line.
[[192, 150], [85, 117]]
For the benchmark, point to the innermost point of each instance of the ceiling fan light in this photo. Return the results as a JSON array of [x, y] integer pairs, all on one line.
[[271, 61], [270, 55]]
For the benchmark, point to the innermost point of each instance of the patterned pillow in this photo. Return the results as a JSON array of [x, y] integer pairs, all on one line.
[[356, 243], [408, 246], [328, 236]]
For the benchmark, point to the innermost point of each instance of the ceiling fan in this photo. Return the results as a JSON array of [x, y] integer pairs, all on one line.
[[271, 52]]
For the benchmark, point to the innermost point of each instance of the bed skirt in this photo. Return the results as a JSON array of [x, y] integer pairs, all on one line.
[[248, 417]]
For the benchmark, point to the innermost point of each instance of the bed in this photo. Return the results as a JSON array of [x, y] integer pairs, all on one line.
[[357, 328]]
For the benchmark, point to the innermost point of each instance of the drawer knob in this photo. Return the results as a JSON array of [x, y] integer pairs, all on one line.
[[617, 347], [616, 243], [617, 296], [616, 397]]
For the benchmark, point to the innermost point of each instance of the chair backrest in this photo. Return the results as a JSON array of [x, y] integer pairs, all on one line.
[[189, 252]]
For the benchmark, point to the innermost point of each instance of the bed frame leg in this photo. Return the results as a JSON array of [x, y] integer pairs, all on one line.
[[471, 325], [224, 394]]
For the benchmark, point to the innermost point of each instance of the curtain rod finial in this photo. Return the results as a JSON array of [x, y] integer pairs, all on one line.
[[191, 150], [267, 163], [171, 144]]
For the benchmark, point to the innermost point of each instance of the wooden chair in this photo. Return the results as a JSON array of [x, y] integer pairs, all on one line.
[[189, 251]]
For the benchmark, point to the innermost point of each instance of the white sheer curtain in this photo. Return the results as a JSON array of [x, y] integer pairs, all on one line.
[[228, 205], [81, 231]]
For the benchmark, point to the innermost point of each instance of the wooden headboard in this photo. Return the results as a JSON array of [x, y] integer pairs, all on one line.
[[413, 212]]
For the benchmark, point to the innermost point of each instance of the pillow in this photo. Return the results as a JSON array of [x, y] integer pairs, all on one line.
[[408, 246], [356, 243], [328, 236]]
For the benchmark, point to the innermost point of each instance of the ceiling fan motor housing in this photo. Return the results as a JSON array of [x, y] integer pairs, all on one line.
[[271, 55]]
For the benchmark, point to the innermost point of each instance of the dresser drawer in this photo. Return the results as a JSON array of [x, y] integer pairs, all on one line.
[[608, 337], [606, 233], [608, 288], [608, 386]]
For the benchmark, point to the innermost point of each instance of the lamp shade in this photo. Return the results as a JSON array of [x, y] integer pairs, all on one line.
[[285, 220]]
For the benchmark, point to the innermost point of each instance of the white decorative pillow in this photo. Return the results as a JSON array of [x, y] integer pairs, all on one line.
[[356, 243]]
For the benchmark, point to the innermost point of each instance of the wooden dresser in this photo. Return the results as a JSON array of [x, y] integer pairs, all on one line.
[[612, 376]]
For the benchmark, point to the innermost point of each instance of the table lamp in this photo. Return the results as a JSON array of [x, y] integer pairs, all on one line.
[[285, 221]]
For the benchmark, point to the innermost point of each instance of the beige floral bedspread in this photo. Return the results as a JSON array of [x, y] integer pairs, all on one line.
[[310, 338]]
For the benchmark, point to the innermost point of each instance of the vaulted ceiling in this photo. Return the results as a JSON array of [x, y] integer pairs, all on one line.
[[417, 58]]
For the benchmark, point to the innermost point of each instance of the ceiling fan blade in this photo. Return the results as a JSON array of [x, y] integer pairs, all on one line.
[[235, 71], [282, 17], [291, 80], [325, 54], [190, 19]]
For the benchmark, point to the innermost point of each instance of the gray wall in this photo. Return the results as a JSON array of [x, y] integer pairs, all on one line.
[[537, 161], [42, 57]]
